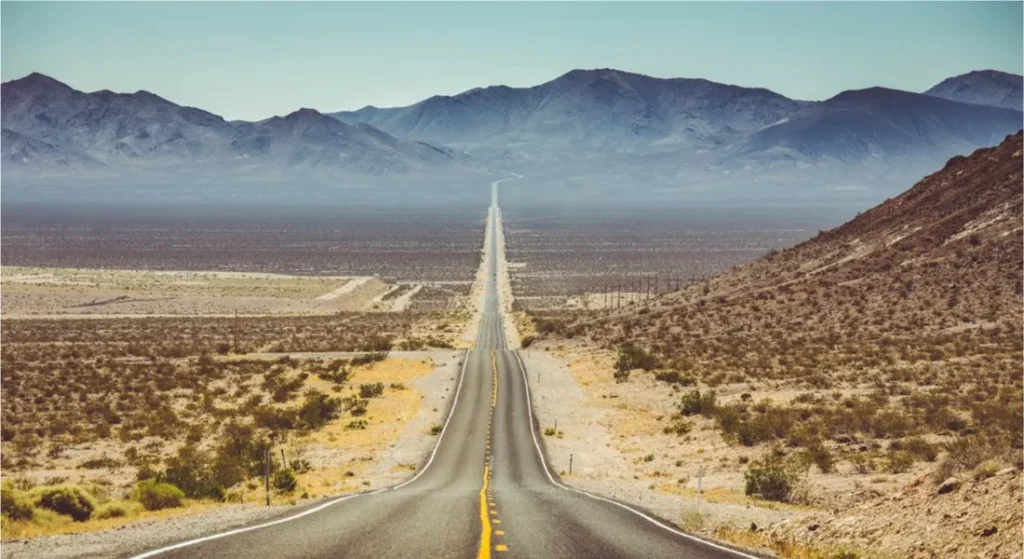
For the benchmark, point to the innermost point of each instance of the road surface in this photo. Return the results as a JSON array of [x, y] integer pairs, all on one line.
[[484, 492]]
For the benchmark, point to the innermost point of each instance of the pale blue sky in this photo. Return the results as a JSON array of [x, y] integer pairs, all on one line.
[[253, 60]]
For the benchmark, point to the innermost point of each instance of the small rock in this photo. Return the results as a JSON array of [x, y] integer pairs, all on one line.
[[989, 531], [949, 485], [812, 527]]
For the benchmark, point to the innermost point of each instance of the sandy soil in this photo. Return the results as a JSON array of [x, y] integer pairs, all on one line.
[[56, 292]]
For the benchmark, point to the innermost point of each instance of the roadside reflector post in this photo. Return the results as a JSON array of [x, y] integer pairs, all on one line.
[[570, 464], [700, 475], [266, 472]]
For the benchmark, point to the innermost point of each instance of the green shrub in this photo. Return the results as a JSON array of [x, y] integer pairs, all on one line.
[[679, 426], [190, 471], [14, 504], [284, 480], [319, 409], [695, 403], [156, 496], [436, 429], [357, 407], [115, 509], [819, 455], [67, 500], [357, 425], [921, 449], [772, 478], [899, 461], [274, 419], [673, 377], [371, 390], [633, 357], [301, 465]]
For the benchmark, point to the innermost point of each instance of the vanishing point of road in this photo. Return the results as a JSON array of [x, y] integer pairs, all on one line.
[[485, 490]]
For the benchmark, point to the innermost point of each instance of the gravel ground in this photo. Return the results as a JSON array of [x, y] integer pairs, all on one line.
[[412, 447], [598, 465], [138, 537]]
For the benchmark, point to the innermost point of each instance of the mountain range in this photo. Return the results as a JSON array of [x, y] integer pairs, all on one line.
[[602, 128], [48, 127]]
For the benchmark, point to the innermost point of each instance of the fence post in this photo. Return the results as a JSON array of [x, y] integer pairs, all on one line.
[[266, 472]]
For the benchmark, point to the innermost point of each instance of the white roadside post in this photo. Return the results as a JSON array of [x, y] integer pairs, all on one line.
[[700, 476]]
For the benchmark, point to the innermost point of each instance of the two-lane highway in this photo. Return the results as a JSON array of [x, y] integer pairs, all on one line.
[[484, 491]]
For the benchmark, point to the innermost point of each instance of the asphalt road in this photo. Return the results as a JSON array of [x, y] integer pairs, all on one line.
[[484, 492]]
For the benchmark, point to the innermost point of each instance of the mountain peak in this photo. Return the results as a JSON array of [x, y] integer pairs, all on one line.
[[38, 80], [983, 87]]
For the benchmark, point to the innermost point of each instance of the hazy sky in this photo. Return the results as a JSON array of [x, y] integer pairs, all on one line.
[[254, 60]]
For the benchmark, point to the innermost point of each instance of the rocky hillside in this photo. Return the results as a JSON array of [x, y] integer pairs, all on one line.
[[50, 128], [983, 87], [939, 264], [881, 352]]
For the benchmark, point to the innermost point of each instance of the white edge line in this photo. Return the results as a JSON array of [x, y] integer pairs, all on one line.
[[656, 522], [188, 543]]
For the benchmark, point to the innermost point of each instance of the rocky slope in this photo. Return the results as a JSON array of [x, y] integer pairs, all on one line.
[[970, 518], [885, 348]]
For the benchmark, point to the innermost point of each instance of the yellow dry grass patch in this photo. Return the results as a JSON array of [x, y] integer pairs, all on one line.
[[55, 524], [386, 417]]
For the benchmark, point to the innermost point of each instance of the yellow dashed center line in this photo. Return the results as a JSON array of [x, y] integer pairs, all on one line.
[[485, 497], [485, 534]]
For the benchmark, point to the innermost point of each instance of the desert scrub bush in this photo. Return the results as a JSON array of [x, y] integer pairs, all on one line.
[[318, 410], [190, 471], [356, 406], [632, 357], [154, 495], [863, 463], [918, 447], [284, 480], [357, 425], [966, 452], [819, 455], [678, 426], [116, 509], [695, 403], [673, 377], [527, 341], [899, 461], [549, 432], [371, 390], [14, 504], [66, 500], [773, 478], [369, 358]]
